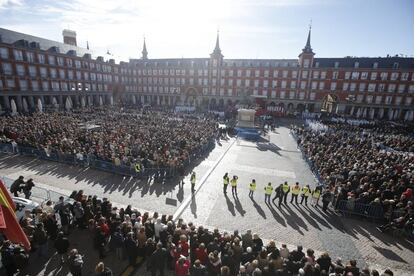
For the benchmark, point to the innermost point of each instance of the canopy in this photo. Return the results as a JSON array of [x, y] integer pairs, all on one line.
[[25, 105], [13, 106], [68, 105], [39, 105]]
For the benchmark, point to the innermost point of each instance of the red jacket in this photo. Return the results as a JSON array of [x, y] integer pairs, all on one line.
[[201, 255], [182, 270]]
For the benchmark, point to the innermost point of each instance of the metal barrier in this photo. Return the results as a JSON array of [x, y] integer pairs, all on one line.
[[93, 162], [349, 208]]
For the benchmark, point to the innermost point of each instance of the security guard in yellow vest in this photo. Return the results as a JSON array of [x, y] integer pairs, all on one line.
[[268, 192], [286, 190], [316, 194], [226, 181], [252, 188], [305, 193], [137, 168], [193, 181], [233, 183], [295, 193]]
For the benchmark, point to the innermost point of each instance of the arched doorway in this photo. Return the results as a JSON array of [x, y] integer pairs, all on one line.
[[191, 96], [329, 103], [300, 108]]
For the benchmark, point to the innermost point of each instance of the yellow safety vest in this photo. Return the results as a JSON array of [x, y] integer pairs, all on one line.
[[233, 182], [226, 181], [305, 191], [137, 168], [193, 179], [285, 188], [268, 190], [252, 186], [316, 194], [295, 190]]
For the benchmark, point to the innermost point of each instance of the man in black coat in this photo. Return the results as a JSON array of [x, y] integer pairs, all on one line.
[[157, 260]]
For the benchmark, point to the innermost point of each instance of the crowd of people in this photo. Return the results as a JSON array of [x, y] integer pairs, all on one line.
[[370, 164], [163, 243], [122, 136]]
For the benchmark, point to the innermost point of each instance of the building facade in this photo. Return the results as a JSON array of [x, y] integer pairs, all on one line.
[[37, 71]]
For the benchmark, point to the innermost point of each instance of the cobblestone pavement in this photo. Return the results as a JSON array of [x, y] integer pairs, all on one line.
[[274, 159]]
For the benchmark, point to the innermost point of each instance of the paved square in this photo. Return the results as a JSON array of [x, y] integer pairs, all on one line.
[[275, 159]]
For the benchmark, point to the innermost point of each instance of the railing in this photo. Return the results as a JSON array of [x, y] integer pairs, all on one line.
[[92, 162], [351, 208]]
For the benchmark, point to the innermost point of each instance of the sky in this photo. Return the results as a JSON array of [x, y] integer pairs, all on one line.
[[248, 28]]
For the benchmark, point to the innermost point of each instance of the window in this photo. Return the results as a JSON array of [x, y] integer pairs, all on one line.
[[23, 85], [375, 65], [304, 74], [356, 64], [69, 62], [266, 73], [404, 76], [315, 74], [371, 87], [347, 75], [64, 86], [333, 86], [381, 87], [401, 88], [55, 86], [35, 85], [248, 73], [364, 75], [408, 100], [7, 69], [352, 87], [336, 65], [85, 75], [41, 58], [275, 73], [273, 95], [283, 84], [345, 86], [395, 65], [282, 94], [51, 60], [303, 84], [312, 96], [239, 73], [4, 53], [355, 75], [70, 74], [335, 75], [1, 84], [274, 83], [293, 84], [374, 75], [53, 73], [362, 87], [294, 74], [11, 83], [384, 76], [265, 83], [394, 76], [369, 99], [30, 57], [60, 61], [391, 88], [359, 98], [321, 85], [20, 70], [256, 83], [77, 64], [43, 72], [314, 85], [378, 99], [398, 100], [61, 73], [18, 55], [45, 85], [306, 63], [388, 99], [323, 75], [32, 71], [284, 73], [301, 95], [256, 73], [79, 75]]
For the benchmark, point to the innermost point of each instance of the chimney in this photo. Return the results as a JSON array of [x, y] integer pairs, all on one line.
[[69, 37]]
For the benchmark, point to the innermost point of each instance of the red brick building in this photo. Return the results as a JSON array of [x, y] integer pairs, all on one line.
[[34, 70]]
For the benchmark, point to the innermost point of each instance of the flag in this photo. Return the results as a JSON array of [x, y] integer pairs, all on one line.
[[9, 225]]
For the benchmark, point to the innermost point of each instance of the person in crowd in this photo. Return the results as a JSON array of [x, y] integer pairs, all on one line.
[[62, 246], [75, 262], [158, 260], [102, 270], [27, 188], [17, 186]]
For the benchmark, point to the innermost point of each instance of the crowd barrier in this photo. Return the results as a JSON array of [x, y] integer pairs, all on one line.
[[93, 162], [351, 208]]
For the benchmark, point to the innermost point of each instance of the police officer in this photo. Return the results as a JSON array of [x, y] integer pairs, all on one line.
[[295, 193], [252, 188], [279, 194], [286, 190], [226, 181], [316, 194], [233, 183], [193, 181], [305, 193], [137, 168], [268, 192]]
